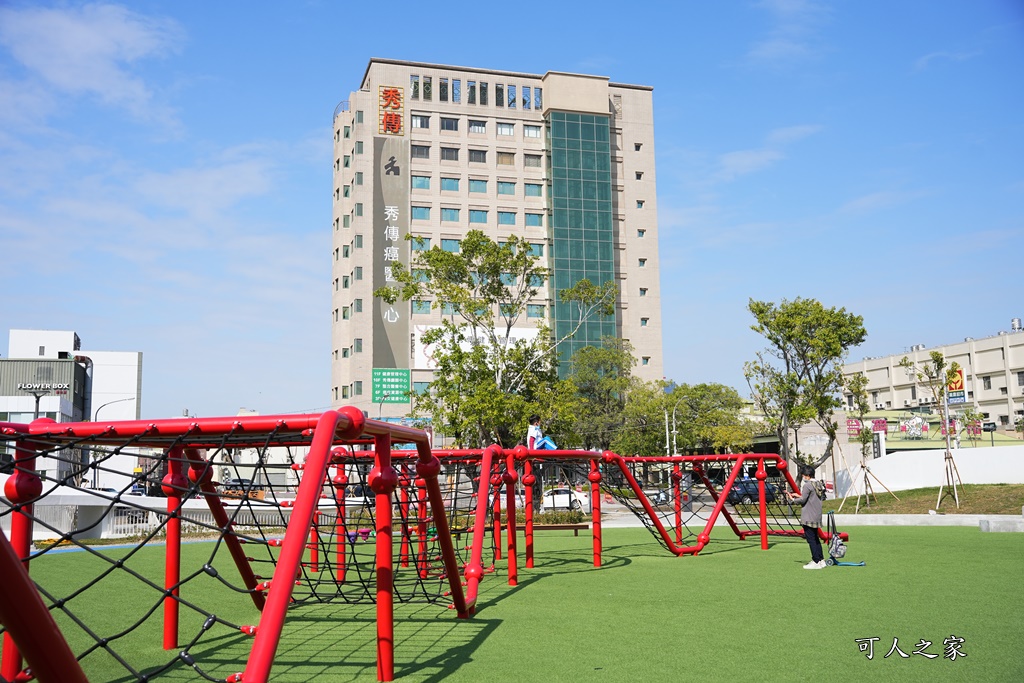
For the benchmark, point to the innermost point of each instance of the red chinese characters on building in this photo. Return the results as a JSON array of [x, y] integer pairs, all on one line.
[[392, 110]]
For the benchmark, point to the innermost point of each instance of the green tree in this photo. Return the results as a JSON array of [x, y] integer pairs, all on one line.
[[487, 379], [936, 374], [797, 379], [602, 378], [857, 386], [643, 429], [709, 419]]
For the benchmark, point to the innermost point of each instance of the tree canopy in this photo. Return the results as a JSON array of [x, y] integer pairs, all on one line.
[[797, 379]]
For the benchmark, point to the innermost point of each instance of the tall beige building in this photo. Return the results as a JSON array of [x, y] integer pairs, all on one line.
[[563, 160]]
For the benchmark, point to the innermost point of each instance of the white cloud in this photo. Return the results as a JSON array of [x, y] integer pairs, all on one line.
[[793, 35], [880, 200], [732, 165], [923, 63], [89, 50]]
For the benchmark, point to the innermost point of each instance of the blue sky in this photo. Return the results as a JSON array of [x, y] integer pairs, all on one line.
[[165, 170]]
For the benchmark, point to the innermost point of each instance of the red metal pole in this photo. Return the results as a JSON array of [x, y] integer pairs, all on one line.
[[475, 569], [529, 479], [677, 476], [403, 497], [340, 482], [383, 479], [21, 488], [761, 476], [173, 484], [28, 623], [595, 506], [704, 536], [510, 477], [314, 543], [201, 471], [261, 658], [421, 524]]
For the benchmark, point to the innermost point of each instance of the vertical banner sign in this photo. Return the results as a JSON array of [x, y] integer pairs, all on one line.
[[390, 225], [955, 391]]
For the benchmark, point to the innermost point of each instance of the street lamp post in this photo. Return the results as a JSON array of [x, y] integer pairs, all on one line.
[[380, 405], [96, 415], [38, 395], [675, 440]]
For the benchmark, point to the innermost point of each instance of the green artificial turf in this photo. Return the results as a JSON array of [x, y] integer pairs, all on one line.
[[732, 613]]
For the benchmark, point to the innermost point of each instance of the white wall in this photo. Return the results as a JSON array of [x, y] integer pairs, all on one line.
[[919, 469]]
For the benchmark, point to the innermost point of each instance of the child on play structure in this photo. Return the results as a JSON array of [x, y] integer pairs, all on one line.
[[810, 516], [535, 439]]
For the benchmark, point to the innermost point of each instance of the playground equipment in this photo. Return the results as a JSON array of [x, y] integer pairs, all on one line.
[[315, 509]]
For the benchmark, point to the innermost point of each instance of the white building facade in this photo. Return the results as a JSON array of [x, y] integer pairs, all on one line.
[[993, 374], [565, 161]]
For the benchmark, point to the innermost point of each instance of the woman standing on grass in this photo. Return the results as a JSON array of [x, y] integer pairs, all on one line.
[[810, 515]]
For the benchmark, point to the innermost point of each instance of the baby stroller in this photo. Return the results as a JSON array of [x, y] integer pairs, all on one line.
[[836, 547]]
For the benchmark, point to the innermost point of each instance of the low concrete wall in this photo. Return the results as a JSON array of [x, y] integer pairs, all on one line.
[[904, 470]]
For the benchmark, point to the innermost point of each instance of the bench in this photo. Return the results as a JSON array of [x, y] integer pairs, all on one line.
[[575, 528]]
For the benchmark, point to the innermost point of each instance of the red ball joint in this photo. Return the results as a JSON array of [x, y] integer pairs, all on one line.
[[495, 480], [383, 481], [520, 452], [22, 487], [677, 477], [703, 539], [356, 422], [429, 469], [761, 475], [340, 479], [529, 480], [474, 571], [200, 473], [608, 457], [782, 465], [594, 477], [510, 476], [173, 485]]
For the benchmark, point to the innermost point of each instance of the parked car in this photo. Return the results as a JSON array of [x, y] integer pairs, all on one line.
[[502, 497], [745, 491], [565, 498], [240, 485]]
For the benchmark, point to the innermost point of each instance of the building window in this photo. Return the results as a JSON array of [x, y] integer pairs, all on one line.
[[511, 97], [506, 159], [643, 322], [534, 220], [346, 190], [359, 177], [478, 156], [639, 203], [646, 360], [483, 94], [344, 392], [537, 249], [637, 146], [526, 97], [449, 184], [533, 190], [442, 90], [986, 382], [414, 86], [477, 216], [506, 218], [538, 100], [420, 388], [359, 388], [345, 352], [359, 208], [358, 305], [420, 243], [532, 160], [530, 131], [477, 126], [357, 345], [1020, 379], [359, 241], [421, 182], [506, 129], [639, 175], [471, 92], [420, 151], [359, 146], [346, 161], [420, 307], [534, 310], [450, 245], [449, 215], [346, 221], [643, 291], [499, 95], [448, 308], [420, 121], [427, 87], [449, 154], [348, 131], [505, 187], [449, 123], [479, 186], [359, 273], [640, 232], [508, 279], [421, 213], [346, 313], [642, 262], [359, 115]]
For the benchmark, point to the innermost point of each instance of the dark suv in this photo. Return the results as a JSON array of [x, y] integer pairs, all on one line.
[[745, 491]]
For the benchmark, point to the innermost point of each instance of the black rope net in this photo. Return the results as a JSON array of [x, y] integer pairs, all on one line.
[[98, 554]]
